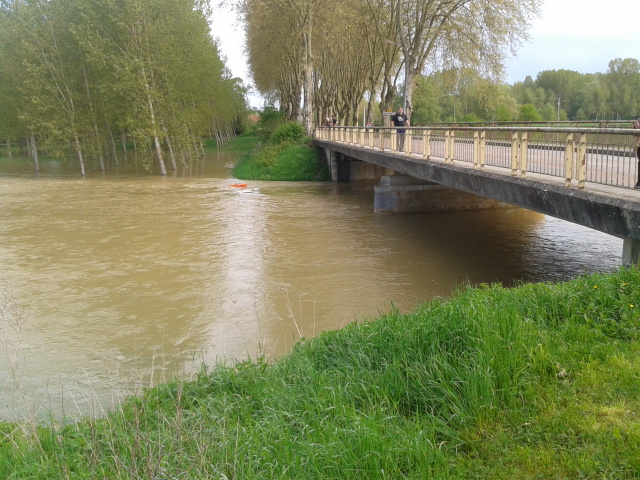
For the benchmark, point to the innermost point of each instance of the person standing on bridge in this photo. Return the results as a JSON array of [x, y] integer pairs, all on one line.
[[400, 120]]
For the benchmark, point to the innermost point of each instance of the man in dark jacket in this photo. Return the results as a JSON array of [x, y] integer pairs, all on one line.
[[400, 120]]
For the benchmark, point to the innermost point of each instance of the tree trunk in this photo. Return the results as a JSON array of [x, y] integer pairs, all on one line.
[[98, 146], [123, 140], [154, 125], [156, 142], [172, 155], [76, 142], [307, 113], [34, 152], [114, 152]]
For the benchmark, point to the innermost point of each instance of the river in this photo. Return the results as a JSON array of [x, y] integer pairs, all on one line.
[[117, 281]]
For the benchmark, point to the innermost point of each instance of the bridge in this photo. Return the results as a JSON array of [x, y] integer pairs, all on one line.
[[588, 176]]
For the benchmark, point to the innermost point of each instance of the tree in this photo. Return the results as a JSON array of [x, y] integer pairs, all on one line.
[[623, 81], [426, 106], [83, 68], [528, 113], [456, 33]]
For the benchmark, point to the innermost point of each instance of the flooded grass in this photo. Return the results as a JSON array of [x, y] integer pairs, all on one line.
[[539, 381]]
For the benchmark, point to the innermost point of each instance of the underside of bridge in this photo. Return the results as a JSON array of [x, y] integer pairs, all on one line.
[[423, 185]]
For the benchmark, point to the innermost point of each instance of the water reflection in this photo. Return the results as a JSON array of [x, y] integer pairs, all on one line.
[[128, 278]]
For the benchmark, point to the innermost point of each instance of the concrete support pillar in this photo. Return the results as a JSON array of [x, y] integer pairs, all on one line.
[[332, 162], [405, 194], [631, 251]]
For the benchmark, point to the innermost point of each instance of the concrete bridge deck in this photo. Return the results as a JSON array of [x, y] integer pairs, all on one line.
[[611, 206]]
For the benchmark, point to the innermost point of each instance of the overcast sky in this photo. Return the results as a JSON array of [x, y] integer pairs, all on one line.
[[579, 35]]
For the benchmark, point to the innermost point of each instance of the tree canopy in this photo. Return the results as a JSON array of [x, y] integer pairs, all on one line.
[[327, 56], [466, 95], [77, 74]]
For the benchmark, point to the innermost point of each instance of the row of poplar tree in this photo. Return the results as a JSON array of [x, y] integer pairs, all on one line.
[[92, 76]]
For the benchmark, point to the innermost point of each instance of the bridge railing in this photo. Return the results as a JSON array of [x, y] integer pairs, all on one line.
[[604, 156]]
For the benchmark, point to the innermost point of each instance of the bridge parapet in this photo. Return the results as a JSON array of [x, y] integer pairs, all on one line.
[[605, 156]]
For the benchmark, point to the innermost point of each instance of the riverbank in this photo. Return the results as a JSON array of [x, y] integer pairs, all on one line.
[[539, 381], [285, 154]]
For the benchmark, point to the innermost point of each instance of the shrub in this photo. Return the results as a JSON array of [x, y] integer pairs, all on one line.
[[270, 119], [287, 132]]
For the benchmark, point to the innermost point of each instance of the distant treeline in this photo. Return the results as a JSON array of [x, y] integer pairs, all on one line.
[[89, 77], [463, 95]]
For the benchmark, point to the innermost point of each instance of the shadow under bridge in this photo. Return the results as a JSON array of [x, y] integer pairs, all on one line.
[[584, 176]]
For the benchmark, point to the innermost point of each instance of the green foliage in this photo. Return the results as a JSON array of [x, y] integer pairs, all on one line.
[[471, 118], [76, 73], [456, 93], [287, 132], [539, 381], [528, 113], [426, 108], [247, 142], [270, 119], [285, 154], [283, 161]]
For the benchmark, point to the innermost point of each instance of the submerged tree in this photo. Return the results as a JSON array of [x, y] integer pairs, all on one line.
[[91, 71]]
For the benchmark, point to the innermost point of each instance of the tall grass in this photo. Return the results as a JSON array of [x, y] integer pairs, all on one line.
[[288, 155], [540, 381], [246, 142]]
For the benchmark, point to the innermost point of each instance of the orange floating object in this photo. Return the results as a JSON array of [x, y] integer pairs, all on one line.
[[238, 185]]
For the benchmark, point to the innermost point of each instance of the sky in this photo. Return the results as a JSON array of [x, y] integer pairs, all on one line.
[[579, 35]]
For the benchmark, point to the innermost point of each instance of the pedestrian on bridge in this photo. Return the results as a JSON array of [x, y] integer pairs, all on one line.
[[400, 120]]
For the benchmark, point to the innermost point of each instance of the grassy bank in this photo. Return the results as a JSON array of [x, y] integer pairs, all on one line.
[[284, 154], [537, 382], [245, 143]]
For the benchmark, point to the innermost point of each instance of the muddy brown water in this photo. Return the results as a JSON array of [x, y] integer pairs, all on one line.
[[120, 280]]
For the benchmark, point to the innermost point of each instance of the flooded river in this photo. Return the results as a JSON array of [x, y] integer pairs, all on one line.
[[117, 281]]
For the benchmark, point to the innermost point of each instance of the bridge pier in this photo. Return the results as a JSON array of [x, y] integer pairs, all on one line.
[[406, 194], [631, 251], [344, 168]]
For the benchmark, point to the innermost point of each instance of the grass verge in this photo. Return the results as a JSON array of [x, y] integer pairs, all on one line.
[[540, 381], [287, 156]]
